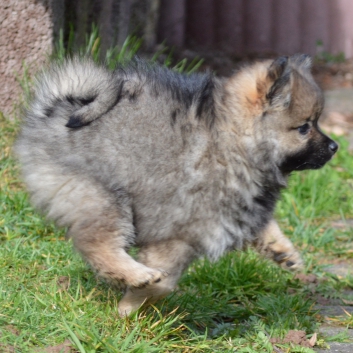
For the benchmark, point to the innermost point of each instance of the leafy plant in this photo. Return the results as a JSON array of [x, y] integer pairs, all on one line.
[[327, 57], [116, 55]]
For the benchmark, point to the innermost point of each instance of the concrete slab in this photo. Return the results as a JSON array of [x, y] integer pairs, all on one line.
[[337, 347], [342, 270], [334, 310], [332, 331]]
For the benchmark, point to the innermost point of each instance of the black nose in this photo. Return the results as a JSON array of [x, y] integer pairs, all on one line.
[[333, 146]]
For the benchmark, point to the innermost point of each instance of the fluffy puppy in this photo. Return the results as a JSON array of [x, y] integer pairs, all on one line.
[[180, 166]]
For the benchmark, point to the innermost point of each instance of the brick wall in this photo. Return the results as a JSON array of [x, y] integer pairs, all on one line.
[[26, 33]]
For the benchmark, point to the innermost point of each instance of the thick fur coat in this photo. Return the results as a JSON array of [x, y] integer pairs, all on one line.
[[179, 166]]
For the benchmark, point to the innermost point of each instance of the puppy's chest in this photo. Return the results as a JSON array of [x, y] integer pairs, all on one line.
[[231, 215], [218, 210], [237, 201]]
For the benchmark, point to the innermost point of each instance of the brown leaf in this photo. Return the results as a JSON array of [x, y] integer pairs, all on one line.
[[347, 302], [313, 340]]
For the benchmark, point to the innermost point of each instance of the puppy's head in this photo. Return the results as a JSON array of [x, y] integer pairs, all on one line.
[[282, 106], [295, 102]]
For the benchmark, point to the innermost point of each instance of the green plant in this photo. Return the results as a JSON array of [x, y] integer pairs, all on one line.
[[116, 55], [327, 57]]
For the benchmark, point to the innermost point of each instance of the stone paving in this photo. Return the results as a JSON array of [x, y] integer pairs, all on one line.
[[329, 331], [338, 118], [338, 347], [336, 309]]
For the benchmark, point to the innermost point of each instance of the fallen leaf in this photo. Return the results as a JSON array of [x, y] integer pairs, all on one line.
[[347, 302], [313, 340]]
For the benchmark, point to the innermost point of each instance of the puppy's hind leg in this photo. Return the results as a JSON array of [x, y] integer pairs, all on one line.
[[102, 231], [172, 256]]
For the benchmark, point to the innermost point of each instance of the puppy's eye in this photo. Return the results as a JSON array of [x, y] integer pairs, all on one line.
[[304, 129]]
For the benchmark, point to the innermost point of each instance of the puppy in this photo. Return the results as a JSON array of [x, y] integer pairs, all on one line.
[[179, 166]]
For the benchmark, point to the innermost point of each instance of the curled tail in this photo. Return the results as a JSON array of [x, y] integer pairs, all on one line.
[[91, 89]]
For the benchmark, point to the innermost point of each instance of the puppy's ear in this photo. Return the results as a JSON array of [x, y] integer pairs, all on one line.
[[277, 68], [279, 74]]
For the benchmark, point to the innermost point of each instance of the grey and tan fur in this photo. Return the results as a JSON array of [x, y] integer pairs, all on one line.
[[179, 166]]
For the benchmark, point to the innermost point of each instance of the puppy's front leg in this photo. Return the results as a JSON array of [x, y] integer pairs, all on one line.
[[275, 245]]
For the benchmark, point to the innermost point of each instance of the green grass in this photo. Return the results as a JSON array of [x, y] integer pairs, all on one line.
[[118, 55], [48, 295], [314, 200]]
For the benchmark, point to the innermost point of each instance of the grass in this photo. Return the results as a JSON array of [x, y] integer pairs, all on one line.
[[48, 296], [118, 55], [315, 200]]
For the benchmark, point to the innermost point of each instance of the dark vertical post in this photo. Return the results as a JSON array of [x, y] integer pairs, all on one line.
[[286, 26], [258, 26], [171, 25], [124, 20], [200, 23], [314, 25], [230, 26]]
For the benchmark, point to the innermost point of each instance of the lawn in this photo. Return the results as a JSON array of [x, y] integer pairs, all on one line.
[[49, 299]]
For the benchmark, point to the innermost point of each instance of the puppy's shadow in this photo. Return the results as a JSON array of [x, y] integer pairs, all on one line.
[[226, 297]]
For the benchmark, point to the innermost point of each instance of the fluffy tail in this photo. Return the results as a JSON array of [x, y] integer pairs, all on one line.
[[92, 89]]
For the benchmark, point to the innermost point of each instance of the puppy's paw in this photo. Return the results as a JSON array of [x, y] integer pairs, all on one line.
[[291, 261], [147, 277], [126, 309], [136, 297], [276, 246]]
